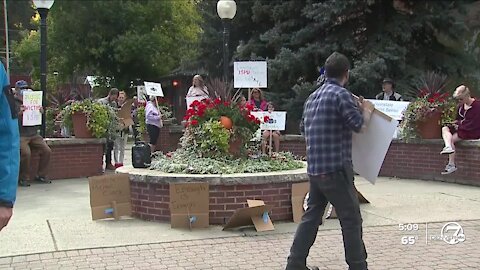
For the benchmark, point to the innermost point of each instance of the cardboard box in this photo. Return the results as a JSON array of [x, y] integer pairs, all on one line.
[[299, 193], [110, 196], [255, 214], [189, 205]]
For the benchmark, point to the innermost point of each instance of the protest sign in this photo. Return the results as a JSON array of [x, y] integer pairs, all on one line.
[[276, 121], [250, 74], [394, 109], [153, 89], [142, 95], [370, 147], [189, 205], [32, 101], [255, 214], [125, 113], [110, 196]]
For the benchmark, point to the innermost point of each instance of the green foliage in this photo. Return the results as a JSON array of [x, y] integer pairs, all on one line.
[[212, 138], [398, 39], [184, 162], [142, 126], [50, 117], [102, 120], [449, 112], [123, 40]]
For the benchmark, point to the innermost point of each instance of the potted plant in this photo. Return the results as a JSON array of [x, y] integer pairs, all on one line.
[[239, 123], [422, 118], [91, 119]]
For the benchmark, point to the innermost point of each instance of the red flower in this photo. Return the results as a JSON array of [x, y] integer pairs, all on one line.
[[217, 101], [190, 112], [257, 121], [249, 106], [431, 100], [202, 107], [226, 103], [195, 103], [266, 118], [194, 122]]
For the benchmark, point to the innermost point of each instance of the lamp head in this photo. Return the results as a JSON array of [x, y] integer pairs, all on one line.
[[226, 9], [47, 4]]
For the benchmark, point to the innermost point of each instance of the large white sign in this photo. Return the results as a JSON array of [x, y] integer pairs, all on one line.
[[153, 89], [250, 74], [370, 147], [276, 120], [394, 109], [32, 102]]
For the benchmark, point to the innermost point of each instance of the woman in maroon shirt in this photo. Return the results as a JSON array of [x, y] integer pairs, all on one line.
[[466, 127]]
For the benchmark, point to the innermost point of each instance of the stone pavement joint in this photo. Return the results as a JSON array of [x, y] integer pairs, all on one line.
[[383, 243]]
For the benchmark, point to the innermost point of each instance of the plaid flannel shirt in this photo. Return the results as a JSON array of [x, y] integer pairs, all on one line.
[[330, 115]]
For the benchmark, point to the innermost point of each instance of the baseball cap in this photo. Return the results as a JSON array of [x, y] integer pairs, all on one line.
[[21, 84]]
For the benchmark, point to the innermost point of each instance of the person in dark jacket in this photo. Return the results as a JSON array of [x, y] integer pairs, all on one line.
[[389, 93], [10, 145]]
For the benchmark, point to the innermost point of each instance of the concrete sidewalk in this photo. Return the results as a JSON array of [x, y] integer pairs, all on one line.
[[57, 217]]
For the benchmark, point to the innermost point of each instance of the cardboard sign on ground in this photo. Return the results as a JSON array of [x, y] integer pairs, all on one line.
[[299, 197], [255, 214], [110, 196], [189, 205], [299, 191]]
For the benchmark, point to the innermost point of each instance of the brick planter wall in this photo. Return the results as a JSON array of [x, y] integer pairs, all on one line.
[[150, 201], [72, 158], [422, 160], [169, 138]]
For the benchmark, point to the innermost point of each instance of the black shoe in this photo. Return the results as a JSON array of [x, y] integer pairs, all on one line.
[[313, 268], [23, 183], [42, 180]]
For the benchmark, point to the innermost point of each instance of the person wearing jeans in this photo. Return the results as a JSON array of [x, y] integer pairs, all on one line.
[[110, 100], [330, 115], [121, 140], [29, 139]]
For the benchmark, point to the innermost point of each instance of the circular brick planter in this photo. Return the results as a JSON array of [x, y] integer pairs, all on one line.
[[150, 192]]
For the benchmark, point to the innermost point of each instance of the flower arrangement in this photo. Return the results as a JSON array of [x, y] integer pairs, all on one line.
[[238, 122], [430, 100], [102, 120], [165, 108]]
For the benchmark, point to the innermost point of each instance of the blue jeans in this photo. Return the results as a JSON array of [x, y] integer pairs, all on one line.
[[338, 189]]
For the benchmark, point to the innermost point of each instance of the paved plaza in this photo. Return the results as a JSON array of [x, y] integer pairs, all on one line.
[[384, 244], [52, 229]]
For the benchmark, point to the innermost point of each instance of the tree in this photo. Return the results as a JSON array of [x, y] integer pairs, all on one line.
[[124, 40], [397, 38]]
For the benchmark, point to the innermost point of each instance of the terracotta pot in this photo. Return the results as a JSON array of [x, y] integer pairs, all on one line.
[[226, 122], [80, 128], [430, 128], [235, 147]]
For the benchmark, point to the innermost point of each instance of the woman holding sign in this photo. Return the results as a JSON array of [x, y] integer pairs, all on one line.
[[153, 119]]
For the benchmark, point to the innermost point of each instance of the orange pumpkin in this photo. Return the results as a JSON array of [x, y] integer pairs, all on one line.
[[226, 122]]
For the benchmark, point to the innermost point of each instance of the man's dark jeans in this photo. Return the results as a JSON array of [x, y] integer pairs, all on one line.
[[338, 189], [108, 148]]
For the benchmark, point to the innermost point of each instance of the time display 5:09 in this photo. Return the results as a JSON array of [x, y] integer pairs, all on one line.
[[408, 227]]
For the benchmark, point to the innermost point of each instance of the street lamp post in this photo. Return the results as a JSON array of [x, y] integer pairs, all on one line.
[[226, 10], [43, 6]]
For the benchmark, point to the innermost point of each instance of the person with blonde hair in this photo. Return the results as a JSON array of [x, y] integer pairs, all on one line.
[[257, 100], [198, 88], [465, 127]]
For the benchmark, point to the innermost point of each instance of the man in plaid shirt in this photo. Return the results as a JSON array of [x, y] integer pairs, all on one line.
[[331, 114]]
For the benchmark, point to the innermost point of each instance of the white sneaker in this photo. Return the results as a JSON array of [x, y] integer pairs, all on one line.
[[450, 168], [447, 150]]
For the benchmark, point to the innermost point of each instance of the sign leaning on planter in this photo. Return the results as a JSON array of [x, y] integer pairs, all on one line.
[[32, 101], [250, 74]]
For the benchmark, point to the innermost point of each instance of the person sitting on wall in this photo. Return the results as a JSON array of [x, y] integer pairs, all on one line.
[[389, 93], [29, 139], [274, 133], [465, 127]]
